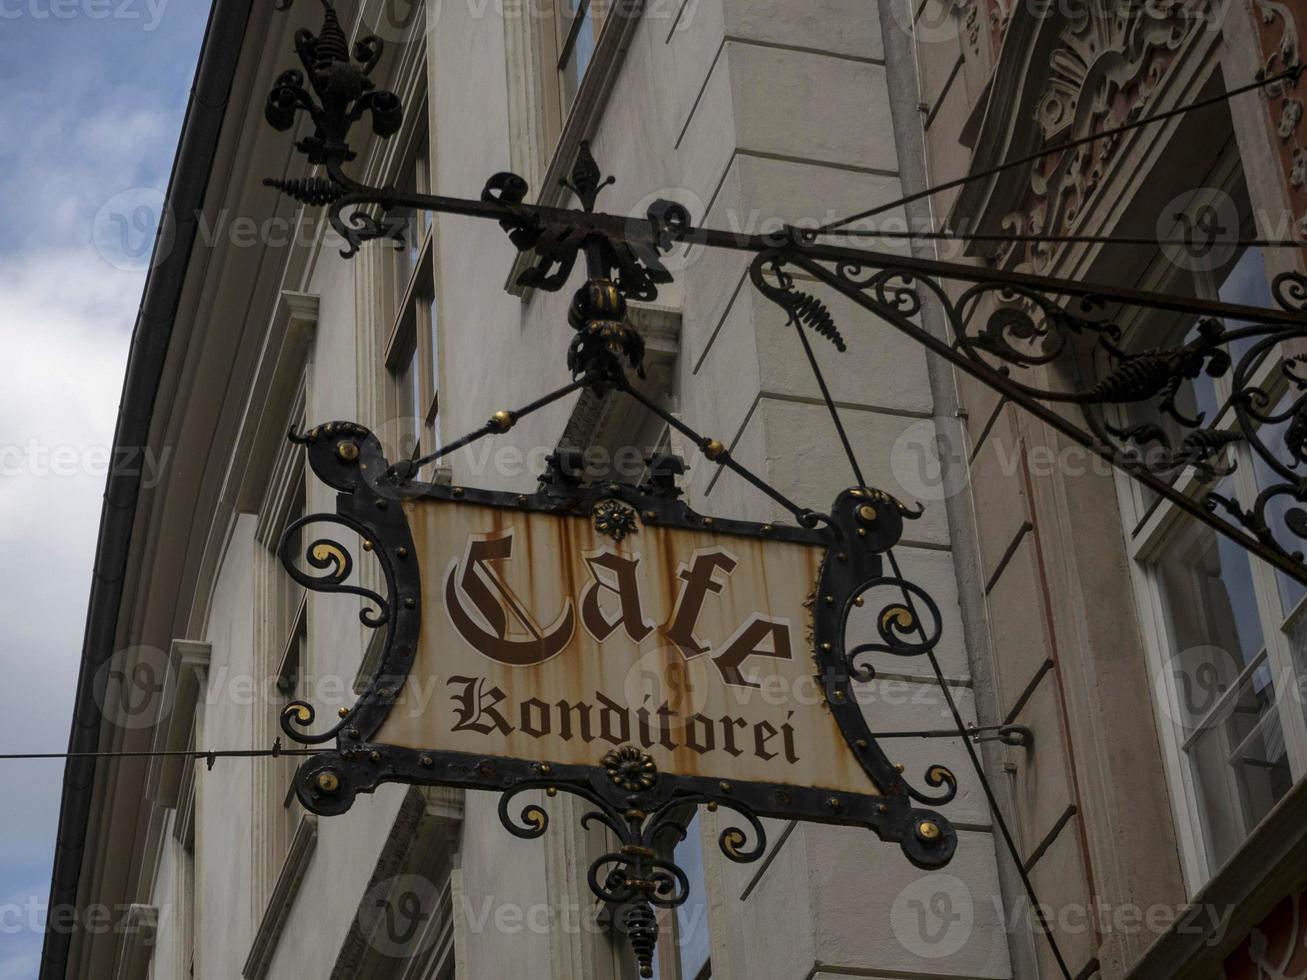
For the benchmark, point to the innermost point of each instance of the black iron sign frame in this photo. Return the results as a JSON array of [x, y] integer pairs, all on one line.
[[645, 809]]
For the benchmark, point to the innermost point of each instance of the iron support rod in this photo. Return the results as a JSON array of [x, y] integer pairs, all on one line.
[[490, 428], [806, 518], [1004, 386], [641, 231]]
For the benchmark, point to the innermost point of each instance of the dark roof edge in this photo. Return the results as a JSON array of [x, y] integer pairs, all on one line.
[[219, 56]]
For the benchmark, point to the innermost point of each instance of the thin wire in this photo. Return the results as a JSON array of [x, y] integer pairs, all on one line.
[[490, 428], [180, 754], [1293, 74], [984, 779], [723, 457], [948, 697], [830, 402], [952, 236]]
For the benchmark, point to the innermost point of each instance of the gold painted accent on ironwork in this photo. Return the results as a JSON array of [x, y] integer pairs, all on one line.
[[712, 806], [732, 841], [867, 513], [859, 601], [342, 711], [325, 552], [502, 421], [301, 712], [899, 768], [897, 614], [551, 792], [546, 768], [535, 817], [367, 545], [328, 782], [928, 830], [347, 451], [713, 449], [635, 850]]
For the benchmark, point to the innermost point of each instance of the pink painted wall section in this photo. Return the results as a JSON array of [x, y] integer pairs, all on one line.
[[1282, 28]]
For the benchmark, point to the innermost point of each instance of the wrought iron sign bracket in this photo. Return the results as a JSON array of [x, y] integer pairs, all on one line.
[[1011, 331], [1036, 323]]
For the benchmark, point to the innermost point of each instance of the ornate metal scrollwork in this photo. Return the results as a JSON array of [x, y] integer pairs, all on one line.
[[1036, 344], [334, 88], [639, 875], [644, 809]]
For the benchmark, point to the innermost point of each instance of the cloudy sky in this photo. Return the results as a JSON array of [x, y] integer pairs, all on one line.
[[95, 91]]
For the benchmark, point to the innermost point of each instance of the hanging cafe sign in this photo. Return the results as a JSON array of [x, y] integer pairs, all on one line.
[[607, 641]]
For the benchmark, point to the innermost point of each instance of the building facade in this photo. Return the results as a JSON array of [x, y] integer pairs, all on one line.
[[1066, 594]]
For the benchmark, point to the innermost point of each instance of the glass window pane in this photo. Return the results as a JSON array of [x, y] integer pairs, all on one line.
[[1207, 589], [692, 917], [578, 55], [1240, 765], [408, 389]]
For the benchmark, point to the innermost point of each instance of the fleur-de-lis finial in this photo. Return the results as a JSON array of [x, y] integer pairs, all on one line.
[[587, 179]]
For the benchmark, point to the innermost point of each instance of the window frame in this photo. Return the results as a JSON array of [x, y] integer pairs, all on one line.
[[414, 336], [1150, 527]]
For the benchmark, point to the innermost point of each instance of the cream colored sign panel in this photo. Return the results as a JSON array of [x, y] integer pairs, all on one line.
[[544, 639]]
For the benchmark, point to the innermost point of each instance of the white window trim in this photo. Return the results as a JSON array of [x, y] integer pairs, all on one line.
[[1147, 532]]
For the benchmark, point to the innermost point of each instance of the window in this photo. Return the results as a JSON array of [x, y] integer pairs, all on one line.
[[1225, 630], [578, 23], [413, 352], [684, 949], [291, 622], [283, 657]]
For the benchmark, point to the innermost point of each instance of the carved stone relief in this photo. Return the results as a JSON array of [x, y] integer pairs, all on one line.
[[1105, 72]]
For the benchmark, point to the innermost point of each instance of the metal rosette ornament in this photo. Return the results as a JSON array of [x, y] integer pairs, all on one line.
[[907, 624]]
